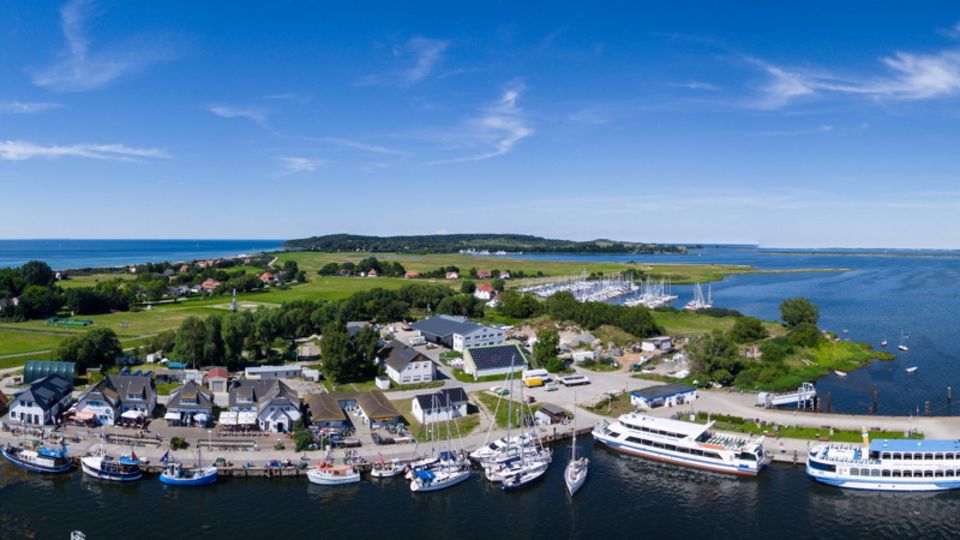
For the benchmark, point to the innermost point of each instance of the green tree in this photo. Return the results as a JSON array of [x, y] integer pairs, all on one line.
[[716, 356], [38, 302], [97, 347], [799, 310], [189, 344], [748, 329], [37, 273], [518, 306], [546, 348], [213, 346], [498, 284], [467, 287], [237, 327], [335, 353], [365, 347], [804, 335], [329, 269]]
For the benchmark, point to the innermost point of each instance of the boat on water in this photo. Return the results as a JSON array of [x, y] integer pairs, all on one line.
[[523, 479], [839, 373], [45, 460], [699, 301], [911, 369], [576, 472], [104, 467], [327, 474], [175, 474], [901, 346], [387, 469], [887, 464], [500, 472], [682, 443], [437, 479]]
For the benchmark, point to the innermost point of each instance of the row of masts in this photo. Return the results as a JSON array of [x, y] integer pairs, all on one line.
[[584, 289]]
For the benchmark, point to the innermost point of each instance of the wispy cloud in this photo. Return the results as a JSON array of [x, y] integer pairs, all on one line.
[[906, 77], [822, 128], [420, 57], [19, 107], [227, 111], [23, 150], [696, 85], [79, 67], [294, 165], [497, 128]]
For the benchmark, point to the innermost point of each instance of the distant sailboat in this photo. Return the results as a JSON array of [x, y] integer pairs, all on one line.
[[884, 342], [840, 373], [911, 369], [699, 302], [901, 346]]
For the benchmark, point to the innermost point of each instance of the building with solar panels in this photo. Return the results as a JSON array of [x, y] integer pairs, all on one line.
[[494, 360], [38, 369]]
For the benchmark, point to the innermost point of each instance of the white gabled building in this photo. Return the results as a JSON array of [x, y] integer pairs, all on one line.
[[42, 402], [458, 333], [406, 365], [446, 404], [275, 405]]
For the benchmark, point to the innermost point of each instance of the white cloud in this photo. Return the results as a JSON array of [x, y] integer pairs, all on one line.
[[19, 107], [226, 111], [908, 76], [498, 127], [23, 150], [294, 165], [420, 57], [80, 68], [696, 85]]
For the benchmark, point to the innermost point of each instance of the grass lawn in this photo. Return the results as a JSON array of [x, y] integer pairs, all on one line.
[[614, 406], [601, 365], [467, 378], [502, 413], [92, 279], [394, 387], [460, 427], [687, 324], [164, 389], [363, 386], [739, 425]]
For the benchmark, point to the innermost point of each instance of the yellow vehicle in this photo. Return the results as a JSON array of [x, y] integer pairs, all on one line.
[[533, 382]]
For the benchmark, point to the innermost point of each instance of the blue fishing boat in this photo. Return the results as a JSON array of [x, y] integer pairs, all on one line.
[[175, 474], [45, 460]]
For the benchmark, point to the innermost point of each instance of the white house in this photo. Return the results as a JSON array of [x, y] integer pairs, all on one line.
[[273, 372], [458, 333], [549, 414], [42, 402], [664, 395], [494, 360], [110, 398], [275, 405], [657, 344], [406, 365], [580, 356], [447, 404], [485, 292]]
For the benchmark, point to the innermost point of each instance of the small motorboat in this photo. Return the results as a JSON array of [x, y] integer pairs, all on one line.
[[425, 481], [175, 474], [903, 348], [387, 469], [333, 475], [45, 460], [911, 369], [839, 373]]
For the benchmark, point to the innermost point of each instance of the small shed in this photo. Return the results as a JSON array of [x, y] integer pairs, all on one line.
[[664, 395], [38, 369], [549, 414]]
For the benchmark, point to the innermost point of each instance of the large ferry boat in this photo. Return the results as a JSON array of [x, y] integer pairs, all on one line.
[[682, 443], [888, 465]]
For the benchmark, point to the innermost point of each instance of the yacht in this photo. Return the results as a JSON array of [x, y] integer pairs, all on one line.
[[682, 443], [435, 480], [888, 464], [699, 302], [576, 472]]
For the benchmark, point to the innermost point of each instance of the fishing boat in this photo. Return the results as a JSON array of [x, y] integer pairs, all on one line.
[[576, 472], [839, 373], [45, 460], [435, 480], [104, 467], [911, 369], [327, 474], [887, 464], [682, 443], [175, 474], [387, 469]]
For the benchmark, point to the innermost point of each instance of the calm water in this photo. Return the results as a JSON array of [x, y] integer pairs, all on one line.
[[881, 294], [623, 498], [65, 254]]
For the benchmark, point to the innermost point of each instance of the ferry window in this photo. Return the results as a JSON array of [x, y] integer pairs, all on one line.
[[875, 472], [949, 455], [927, 474], [854, 472], [896, 473], [938, 455], [938, 473], [927, 456], [908, 474], [885, 455], [907, 455], [897, 455], [823, 466], [886, 473]]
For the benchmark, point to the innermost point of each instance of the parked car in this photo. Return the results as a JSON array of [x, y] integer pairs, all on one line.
[[551, 387]]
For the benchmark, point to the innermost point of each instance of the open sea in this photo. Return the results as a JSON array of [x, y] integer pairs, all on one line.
[[880, 293], [67, 254]]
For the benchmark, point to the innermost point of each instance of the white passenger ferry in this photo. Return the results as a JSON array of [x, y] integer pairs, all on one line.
[[888, 465], [682, 443]]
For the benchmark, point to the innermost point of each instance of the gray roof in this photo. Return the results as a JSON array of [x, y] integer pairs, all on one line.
[[119, 388], [263, 393], [446, 325], [355, 326], [497, 356], [47, 391], [662, 391], [191, 392], [452, 396], [398, 355], [553, 410]]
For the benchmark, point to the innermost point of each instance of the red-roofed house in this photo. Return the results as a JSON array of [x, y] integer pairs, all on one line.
[[484, 291], [210, 284], [484, 274], [504, 275], [371, 273], [453, 275], [266, 277], [218, 380], [184, 267], [411, 274]]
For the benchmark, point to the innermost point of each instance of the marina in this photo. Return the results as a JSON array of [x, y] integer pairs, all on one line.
[[585, 289]]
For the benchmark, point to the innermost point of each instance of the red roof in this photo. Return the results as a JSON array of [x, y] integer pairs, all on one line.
[[484, 273], [412, 274], [485, 287], [218, 372], [266, 276]]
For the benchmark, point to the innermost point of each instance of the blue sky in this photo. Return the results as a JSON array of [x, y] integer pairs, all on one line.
[[794, 124]]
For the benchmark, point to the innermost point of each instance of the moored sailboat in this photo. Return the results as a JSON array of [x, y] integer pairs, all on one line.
[[576, 472]]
